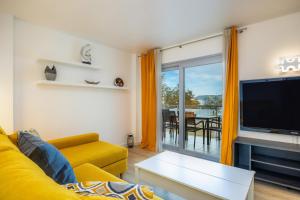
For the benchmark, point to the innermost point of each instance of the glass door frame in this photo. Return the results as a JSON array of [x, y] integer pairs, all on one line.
[[181, 66]]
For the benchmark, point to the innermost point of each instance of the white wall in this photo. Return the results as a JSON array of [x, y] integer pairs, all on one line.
[[138, 101], [62, 111], [6, 72], [204, 48], [260, 48], [134, 94]]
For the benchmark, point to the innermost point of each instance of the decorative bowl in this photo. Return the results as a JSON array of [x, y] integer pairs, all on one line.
[[92, 82]]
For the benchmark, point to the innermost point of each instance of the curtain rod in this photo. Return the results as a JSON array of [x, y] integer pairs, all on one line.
[[191, 42], [240, 30]]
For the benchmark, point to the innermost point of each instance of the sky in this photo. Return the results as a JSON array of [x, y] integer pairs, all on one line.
[[202, 80]]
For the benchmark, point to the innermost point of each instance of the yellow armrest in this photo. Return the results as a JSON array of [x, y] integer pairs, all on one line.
[[74, 140], [89, 172]]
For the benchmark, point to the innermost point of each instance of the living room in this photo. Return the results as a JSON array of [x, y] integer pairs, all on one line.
[[149, 99]]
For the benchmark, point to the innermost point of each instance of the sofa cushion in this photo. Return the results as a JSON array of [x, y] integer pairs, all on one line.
[[13, 137], [2, 131], [89, 172], [6, 144], [74, 140], [98, 153], [47, 157]]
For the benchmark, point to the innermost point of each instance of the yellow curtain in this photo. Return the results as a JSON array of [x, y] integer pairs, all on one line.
[[230, 114], [148, 76]]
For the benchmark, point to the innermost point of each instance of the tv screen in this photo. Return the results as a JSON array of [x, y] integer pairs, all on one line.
[[271, 105]]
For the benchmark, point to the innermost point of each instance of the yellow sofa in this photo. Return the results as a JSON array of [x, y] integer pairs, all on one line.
[[87, 148], [22, 179]]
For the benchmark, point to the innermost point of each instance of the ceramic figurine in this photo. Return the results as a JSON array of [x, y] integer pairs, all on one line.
[[85, 53]]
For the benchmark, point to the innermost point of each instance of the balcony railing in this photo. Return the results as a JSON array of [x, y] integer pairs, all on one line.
[[202, 110]]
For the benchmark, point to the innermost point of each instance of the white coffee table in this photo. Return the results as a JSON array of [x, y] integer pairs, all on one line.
[[195, 178]]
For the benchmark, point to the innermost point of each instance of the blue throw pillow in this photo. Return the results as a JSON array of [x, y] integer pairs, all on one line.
[[47, 157]]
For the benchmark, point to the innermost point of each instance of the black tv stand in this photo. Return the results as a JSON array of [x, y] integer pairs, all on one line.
[[274, 162]]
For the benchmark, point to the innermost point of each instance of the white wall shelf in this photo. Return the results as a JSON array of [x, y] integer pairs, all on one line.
[[66, 84], [69, 63]]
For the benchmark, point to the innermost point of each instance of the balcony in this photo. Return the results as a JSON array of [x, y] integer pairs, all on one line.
[[202, 128]]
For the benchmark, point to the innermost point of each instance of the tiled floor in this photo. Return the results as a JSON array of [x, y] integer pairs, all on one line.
[[212, 150]]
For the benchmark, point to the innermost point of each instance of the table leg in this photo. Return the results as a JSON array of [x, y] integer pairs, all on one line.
[[250, 195], [219, 123], [204, 132], [207, 131]]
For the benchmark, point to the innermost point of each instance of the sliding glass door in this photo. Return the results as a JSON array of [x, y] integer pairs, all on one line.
[[203, 108], [170, 106], [192, 93]]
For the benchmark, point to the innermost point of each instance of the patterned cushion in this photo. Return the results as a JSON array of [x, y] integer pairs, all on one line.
[[118, 190], [47, 157]]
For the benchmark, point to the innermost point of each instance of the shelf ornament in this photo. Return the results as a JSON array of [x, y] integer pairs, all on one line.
[[50, 73], [85, 53]]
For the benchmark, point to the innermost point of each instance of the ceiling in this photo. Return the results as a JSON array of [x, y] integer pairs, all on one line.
[[137, 25]]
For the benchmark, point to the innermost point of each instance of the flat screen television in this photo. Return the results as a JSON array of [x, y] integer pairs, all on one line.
[[270, 105]]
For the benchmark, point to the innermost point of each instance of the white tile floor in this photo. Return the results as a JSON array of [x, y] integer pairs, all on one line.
[[212, 150]]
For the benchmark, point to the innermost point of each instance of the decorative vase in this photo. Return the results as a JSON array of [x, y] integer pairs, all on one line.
[[50, 73], [130, 141]]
